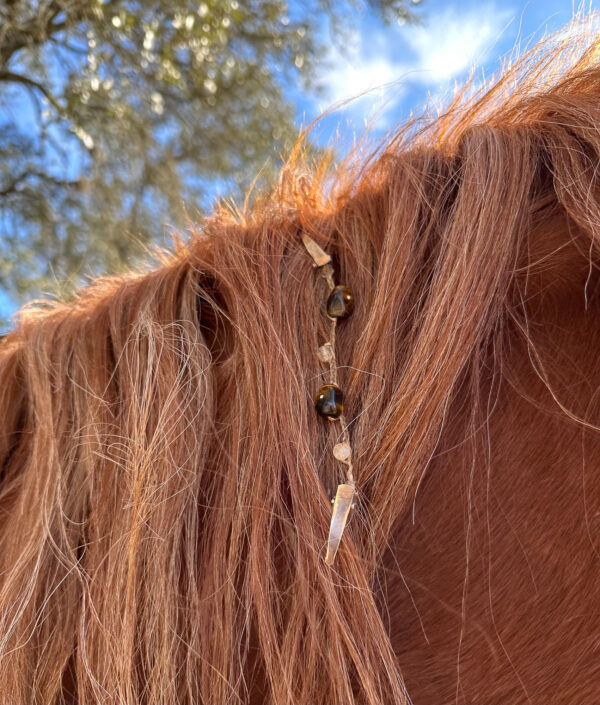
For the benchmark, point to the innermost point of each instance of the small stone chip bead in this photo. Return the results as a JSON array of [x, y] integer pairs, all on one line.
[[325, 352], [340, 303], [342, 451], [329, 401]]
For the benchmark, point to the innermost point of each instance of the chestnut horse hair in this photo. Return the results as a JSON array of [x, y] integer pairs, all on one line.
[[166, 483]]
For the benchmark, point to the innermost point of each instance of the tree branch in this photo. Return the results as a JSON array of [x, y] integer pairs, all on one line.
[[12, 77], [13, 186], [37, 29]]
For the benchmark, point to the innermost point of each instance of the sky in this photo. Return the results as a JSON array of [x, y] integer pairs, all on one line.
[[403, 67]]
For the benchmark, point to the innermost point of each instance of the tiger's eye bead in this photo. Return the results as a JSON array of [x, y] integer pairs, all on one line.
[[329, 401], [340, 303]]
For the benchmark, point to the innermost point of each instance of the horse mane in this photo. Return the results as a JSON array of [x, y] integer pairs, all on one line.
[[165, 483]]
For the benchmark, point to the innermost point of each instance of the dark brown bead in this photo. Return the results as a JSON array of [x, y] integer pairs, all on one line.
[[329, 401], [340, 303]]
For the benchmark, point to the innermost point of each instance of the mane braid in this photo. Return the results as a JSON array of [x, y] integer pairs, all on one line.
[[329, 398]]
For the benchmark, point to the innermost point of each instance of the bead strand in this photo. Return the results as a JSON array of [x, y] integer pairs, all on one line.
[[329, 399]]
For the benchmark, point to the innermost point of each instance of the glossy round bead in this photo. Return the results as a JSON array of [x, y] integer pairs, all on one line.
[[329, 401], [340, 303]]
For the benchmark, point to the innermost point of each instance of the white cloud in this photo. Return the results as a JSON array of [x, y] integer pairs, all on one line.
[[446, 46], [451, 43], [353, 72]]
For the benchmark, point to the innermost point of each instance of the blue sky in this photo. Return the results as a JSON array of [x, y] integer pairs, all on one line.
[[405, 66]]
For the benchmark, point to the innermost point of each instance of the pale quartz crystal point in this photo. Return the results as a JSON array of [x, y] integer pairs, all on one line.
[[342, 451], [339, 517], [320, 257], [325, 352]]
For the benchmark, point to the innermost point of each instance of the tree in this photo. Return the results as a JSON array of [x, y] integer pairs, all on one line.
[[116, 112]]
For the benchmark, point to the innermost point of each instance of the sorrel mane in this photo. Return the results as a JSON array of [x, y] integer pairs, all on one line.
[[166, 484]]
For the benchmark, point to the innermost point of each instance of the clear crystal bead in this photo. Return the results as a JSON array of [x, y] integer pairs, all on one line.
[[325, 352], [342, 451]]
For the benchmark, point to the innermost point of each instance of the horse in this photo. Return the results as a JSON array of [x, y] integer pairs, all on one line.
[[166, 484]]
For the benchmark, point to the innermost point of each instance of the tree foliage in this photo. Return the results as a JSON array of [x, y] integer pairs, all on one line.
[[115, 113]]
